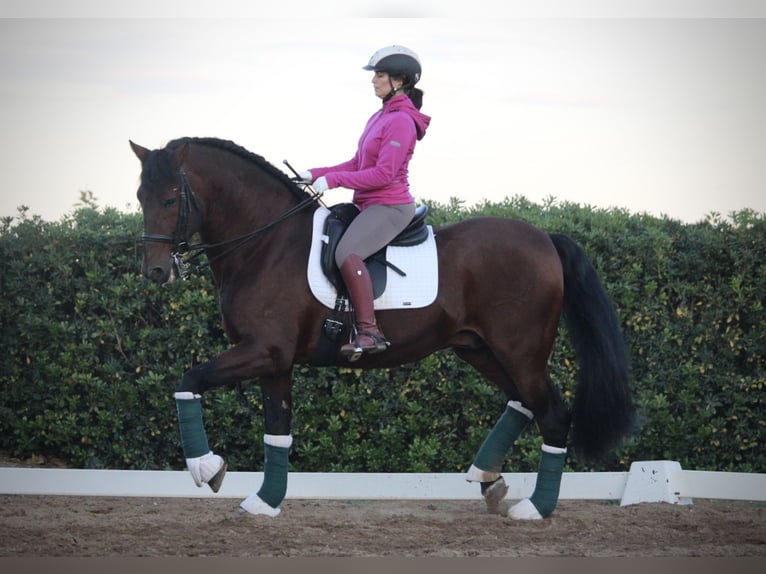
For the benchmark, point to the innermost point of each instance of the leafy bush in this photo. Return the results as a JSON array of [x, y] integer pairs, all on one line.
[[92, 353]]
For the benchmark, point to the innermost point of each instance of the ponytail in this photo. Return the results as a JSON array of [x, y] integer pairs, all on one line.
[[416, 95]]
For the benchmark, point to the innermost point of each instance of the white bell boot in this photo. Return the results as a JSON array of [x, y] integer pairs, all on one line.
[[524, 510], [207, 469], [254, 505]]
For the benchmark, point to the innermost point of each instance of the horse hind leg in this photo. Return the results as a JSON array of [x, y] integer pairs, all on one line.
[[488, 463], [532, 395], [545, 497], [489, 460], [553, 420]]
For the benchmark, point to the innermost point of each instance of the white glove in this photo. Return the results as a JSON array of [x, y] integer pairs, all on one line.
[[320, 185], [305, 176]]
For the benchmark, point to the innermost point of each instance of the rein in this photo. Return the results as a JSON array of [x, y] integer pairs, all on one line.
[[180, 237]]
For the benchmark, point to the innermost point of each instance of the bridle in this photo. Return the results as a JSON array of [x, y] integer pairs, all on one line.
[[180, 237]]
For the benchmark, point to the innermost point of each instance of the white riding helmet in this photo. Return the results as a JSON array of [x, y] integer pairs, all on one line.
[[396, 61]]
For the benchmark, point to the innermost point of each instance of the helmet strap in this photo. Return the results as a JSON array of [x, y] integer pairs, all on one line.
[[393, 91]]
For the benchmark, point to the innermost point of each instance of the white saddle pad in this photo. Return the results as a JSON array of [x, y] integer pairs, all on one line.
[[417, 289]]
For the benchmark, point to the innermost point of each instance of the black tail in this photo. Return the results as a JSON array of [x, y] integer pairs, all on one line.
[[603, 413]]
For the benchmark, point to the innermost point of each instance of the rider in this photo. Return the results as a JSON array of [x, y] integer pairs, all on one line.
[[378, 175]]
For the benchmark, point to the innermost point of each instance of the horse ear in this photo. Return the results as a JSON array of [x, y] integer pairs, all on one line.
[[180, 155], [140, 151]]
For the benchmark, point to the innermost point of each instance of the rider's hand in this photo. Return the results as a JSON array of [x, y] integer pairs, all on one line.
[[305, 176], [320, 185]]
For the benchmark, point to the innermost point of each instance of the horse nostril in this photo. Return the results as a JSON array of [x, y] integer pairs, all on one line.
[[157, 274]]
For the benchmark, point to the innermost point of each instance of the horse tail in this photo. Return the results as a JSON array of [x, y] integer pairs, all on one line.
[[603, 413]]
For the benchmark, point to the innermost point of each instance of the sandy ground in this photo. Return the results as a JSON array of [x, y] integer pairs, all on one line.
[[63, 526], [171, 527]]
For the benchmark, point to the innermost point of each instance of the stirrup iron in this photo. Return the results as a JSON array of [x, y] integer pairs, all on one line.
[[355, 352]]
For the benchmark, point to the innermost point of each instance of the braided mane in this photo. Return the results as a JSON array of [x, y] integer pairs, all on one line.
[[239, 151]]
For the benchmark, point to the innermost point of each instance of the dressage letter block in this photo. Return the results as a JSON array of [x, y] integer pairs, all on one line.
[[650, 481]]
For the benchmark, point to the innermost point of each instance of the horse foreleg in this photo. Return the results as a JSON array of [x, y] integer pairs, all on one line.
[[234, 364], [204, 466], [277, 405]]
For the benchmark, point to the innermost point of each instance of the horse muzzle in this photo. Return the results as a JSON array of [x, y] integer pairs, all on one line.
[[161, 272]]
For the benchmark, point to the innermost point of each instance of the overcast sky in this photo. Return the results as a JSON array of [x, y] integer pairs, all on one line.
[[664, 116]]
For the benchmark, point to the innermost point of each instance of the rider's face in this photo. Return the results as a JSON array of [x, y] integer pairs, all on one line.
[[382, 84]]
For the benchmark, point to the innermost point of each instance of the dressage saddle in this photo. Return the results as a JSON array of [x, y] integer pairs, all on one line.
[[338, 220]]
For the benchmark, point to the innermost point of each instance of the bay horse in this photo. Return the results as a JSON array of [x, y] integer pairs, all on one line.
[[503, 286]]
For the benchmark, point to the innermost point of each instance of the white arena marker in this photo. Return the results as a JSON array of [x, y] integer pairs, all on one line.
[[651, 481]]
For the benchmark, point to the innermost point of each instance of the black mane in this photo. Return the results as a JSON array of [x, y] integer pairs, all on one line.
[[239, 151]]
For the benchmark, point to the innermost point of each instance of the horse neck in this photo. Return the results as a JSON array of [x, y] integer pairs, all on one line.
[[236, 207]]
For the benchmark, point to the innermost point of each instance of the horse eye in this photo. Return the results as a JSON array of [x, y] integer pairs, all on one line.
[[168, 202]]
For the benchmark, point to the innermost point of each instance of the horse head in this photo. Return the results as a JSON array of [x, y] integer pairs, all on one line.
[[166, 202]]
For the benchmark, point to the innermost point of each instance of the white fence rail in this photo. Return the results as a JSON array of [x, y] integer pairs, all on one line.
[[647, 481]]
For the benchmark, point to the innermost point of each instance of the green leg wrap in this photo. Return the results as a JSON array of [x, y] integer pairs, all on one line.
[[546, 494], [193, 437], [274, 485], [500, 439]]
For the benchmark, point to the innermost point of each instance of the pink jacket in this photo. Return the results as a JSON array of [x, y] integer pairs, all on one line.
[[378, 171]]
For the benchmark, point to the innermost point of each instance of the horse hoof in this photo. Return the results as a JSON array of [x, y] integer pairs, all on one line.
[[215, 482], [494, 495], [524, 510]]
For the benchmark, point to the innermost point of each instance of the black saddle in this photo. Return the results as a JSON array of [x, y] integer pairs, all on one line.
[[338, 220]]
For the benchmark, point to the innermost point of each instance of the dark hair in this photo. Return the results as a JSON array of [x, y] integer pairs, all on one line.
[[416, 95]]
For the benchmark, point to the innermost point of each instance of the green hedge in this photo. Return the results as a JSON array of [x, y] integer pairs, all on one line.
[[92, 353]]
